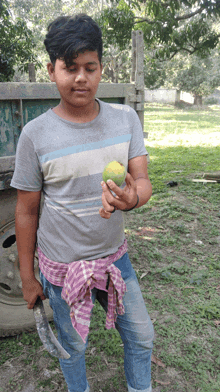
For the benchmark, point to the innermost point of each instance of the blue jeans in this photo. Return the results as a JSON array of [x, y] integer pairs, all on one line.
[[134, 326]]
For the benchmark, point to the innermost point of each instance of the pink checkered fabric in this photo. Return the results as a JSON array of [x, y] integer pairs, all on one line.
[[79, 278]]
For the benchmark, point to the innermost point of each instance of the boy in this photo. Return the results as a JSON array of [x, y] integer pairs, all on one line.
[[81, 243]]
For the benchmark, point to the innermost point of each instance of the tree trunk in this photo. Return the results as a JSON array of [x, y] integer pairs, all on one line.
[[177, 98], [116, 72], [31, 70], [111, 72], [198, 100]]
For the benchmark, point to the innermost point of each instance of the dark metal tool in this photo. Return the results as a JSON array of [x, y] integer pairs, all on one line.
[[46, 334]]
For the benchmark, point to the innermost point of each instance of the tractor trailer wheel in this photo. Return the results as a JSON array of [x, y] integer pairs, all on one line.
[[14, 315]]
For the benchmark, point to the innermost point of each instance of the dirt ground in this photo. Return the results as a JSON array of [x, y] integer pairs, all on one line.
[[17, 376]]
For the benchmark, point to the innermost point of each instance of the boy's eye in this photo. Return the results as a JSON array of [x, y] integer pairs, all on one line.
[[75, 69]]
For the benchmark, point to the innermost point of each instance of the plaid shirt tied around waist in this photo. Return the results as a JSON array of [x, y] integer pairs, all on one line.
[[79, 278]]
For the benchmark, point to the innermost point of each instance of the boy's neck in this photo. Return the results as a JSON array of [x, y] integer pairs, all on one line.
[[77, 114]]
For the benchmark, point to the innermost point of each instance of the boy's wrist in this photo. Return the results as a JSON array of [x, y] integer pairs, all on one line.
[[27, 275], [132, 208]]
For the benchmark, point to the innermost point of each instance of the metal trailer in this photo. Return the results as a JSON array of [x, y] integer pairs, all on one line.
[[20, 103]]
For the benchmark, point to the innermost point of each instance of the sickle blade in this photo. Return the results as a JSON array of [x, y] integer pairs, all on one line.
[[46, 334]]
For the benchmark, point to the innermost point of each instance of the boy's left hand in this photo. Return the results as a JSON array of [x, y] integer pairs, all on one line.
[[125, 198]]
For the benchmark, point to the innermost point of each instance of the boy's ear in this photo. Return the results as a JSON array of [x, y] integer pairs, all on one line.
[[50, 69]]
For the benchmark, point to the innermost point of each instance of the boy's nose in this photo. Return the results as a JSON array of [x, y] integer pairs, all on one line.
[[80, 76]]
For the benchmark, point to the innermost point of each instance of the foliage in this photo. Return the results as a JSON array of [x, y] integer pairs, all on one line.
[[116, 62], [198, 76], [171, 29], [117, 24], [116, 65], [193, 74], [155, 73], [16, 44], [37, 15], [169, 26]]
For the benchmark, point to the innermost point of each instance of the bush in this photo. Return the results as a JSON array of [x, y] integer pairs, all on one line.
[[211, 101]]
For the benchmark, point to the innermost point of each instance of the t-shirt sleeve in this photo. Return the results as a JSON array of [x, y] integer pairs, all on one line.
[[28, 174], [137, 147]]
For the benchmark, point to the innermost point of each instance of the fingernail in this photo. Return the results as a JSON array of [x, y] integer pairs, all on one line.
[[103, 184], [109, 182]]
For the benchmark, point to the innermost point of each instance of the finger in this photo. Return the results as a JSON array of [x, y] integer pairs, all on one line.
[[122, 195], [31, 304], [108, 200], [128, 195], [108, 208], [33, 300], [104, 214], [130, 188], [107, 191], [115, 188], [130, 181]]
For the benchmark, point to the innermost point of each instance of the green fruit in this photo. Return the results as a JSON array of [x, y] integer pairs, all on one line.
[[114, 171]]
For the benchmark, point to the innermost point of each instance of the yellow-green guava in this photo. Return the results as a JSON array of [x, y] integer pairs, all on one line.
[[114, 171]]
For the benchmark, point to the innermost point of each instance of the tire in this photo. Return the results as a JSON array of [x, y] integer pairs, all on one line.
[[15, 317]]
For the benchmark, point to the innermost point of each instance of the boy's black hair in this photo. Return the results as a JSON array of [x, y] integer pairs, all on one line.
[[69, 35]]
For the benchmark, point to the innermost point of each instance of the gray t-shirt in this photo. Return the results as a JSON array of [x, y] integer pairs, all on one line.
[[66, 160]]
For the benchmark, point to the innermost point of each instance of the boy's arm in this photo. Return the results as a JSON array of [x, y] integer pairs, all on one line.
[[137, 183], [137, 167], [26, 224]]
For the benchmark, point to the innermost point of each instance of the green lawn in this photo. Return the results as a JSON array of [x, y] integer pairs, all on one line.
[[182, 144]]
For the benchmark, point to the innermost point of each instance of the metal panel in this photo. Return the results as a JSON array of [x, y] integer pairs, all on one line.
[[34, 108], [16, 90], [9, 127], [23, 91]]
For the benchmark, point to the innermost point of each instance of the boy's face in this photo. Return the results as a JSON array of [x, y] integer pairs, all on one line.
[[77, 84]]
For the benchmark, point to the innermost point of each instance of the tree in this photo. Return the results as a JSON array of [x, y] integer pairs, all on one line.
[[198, 76], [193, 74], [16, 44], [38, 15], [169, 26], [116, 65]]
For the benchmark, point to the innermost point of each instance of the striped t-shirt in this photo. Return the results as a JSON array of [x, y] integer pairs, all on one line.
[[66, 160]]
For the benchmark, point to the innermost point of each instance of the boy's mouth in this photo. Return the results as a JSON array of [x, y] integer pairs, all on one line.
[[79, 90]]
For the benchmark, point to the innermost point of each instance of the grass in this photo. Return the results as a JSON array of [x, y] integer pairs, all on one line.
[[174, 245], [182, 144], [182, 287]]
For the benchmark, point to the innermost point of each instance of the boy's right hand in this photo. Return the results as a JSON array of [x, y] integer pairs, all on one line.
[[32, 289]]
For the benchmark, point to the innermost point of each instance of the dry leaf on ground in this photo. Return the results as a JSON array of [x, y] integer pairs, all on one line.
[[157, 361], [162, 382], [144, 274], [188, 287]]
